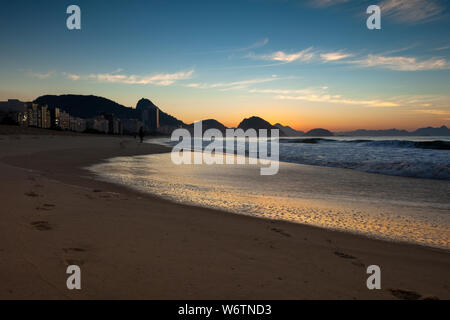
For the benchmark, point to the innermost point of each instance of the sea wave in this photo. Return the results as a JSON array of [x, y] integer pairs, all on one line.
[[437, 144]]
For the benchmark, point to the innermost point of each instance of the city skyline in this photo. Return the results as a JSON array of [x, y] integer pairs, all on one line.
[[304, 64]]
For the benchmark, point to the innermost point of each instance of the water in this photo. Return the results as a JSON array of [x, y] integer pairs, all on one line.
[[413, 210], [421, 157]]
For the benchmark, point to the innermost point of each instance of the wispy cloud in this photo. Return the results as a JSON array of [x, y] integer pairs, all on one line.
[[71, 76], [224, 86], [322, 94], [434, 112], [412, 11], [281, 56], [442, 48], [400, 63], [335, 56], [339, 100], [161, 79], [40, 75], [255, 45]]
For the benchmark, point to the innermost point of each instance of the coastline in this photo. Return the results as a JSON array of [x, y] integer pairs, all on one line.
[[133, 245]]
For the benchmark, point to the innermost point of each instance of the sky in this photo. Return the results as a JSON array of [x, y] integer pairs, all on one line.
[[306, 64]]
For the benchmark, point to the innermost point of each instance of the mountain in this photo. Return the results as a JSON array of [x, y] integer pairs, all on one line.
[[12, 105], [164, 118], [86, 106], [375, 133], [91, 106], [288, 131], [209, 124], [257, 123], [319, 133], [430, 131]]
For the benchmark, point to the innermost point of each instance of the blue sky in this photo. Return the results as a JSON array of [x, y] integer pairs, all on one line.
[[303, 63]]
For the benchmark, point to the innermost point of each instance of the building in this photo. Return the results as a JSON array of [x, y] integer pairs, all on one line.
[[99, 124], [131, 126], [64, 120], [77, 124], [34, 115], [44, 119], [150, 118], [54, 115], [114, 124]]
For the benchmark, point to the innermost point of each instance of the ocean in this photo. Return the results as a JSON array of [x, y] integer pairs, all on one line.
[[394, 189]]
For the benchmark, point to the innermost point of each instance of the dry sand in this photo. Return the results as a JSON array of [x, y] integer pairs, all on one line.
[[136, 246]]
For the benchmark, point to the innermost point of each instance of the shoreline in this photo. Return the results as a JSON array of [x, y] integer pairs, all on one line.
[[270, 267]]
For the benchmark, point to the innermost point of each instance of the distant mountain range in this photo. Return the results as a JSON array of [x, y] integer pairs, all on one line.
[[288, 131], [90, 106], [257, 123], [429, 131], [319, 133], [209, 124]]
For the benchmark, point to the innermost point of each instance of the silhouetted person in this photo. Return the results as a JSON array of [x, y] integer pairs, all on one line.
[[141, 134]]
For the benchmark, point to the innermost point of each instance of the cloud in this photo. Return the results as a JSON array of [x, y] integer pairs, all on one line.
[[71, 76], [321, 94], [335, 56], [442, 48], [339, 100], [402, 63], [256, 45], [224, 86], [40, 75], [411, 11], [434, 112], [161, 79], [281, 56]]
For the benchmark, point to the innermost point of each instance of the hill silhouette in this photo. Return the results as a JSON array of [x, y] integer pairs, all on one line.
[[209, 124], [165, 119], [89, 106], [319, 133], [288, 131]]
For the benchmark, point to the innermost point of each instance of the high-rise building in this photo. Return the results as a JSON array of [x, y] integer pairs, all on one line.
[[77, 124], [131, 126], [64, 120], [150, 118], [45, 118]]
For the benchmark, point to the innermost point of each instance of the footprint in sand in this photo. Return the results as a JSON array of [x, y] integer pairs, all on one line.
[[67, 250], [280, 232], [344, 255], [31, 194], [405, 294], [71, 256], [41, 225], [45, 207], [356, 262], [42, 209], [71, 262]]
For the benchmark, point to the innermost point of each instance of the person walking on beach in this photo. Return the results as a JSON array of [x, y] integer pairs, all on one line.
[[141, 134]]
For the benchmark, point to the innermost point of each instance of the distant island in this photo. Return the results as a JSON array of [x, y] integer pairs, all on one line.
[[319, 133], [89, 113]]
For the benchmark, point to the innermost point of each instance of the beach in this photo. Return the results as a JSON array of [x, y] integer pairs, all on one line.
[[133, 245]]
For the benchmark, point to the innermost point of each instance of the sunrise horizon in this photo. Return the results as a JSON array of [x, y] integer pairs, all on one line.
[[211, 68]]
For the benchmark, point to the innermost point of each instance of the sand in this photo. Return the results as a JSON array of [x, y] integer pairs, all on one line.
[[136, 246]]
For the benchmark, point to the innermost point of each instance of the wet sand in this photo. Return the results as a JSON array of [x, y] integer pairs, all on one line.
[[136, 246]]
